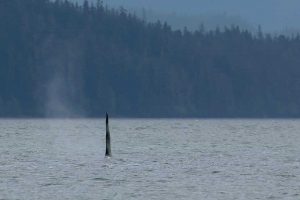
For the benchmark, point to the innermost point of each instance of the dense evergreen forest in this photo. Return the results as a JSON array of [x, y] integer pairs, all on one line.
[[59, 59]]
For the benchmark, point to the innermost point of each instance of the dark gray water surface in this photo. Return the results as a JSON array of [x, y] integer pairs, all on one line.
[[152, 159]]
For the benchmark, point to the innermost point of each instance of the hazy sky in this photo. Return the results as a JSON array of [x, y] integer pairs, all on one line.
[[271, 14]]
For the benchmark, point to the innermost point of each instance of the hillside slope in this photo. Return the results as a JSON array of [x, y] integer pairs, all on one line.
[[59, 59]]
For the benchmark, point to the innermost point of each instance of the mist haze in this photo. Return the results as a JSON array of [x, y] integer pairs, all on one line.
[[273, 15]]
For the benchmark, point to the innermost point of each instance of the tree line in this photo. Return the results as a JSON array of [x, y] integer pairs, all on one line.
[[61, 59]]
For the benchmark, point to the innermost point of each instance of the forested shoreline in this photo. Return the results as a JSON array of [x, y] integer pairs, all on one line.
[[60, 59]]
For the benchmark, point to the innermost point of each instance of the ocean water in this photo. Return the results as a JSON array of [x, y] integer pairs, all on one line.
[[152, 159]]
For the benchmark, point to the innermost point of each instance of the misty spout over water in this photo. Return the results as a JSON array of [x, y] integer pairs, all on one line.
[[58, 104], [61, 92]]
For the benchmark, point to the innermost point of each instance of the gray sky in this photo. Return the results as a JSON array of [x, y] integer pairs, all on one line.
[[271, 14]]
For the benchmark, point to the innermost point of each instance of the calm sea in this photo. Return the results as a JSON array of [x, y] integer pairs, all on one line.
[[152, 159]]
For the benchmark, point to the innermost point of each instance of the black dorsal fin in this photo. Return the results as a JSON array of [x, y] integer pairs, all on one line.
[[108, 147]]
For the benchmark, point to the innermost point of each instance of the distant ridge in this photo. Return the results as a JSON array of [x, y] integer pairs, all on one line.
[[58, 59]]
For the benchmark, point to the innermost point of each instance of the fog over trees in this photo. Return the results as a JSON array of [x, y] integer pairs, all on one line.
[[275, 16], [62, 59]]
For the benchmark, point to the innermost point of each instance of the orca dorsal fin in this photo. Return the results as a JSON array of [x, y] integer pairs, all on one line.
[[108, 146]]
